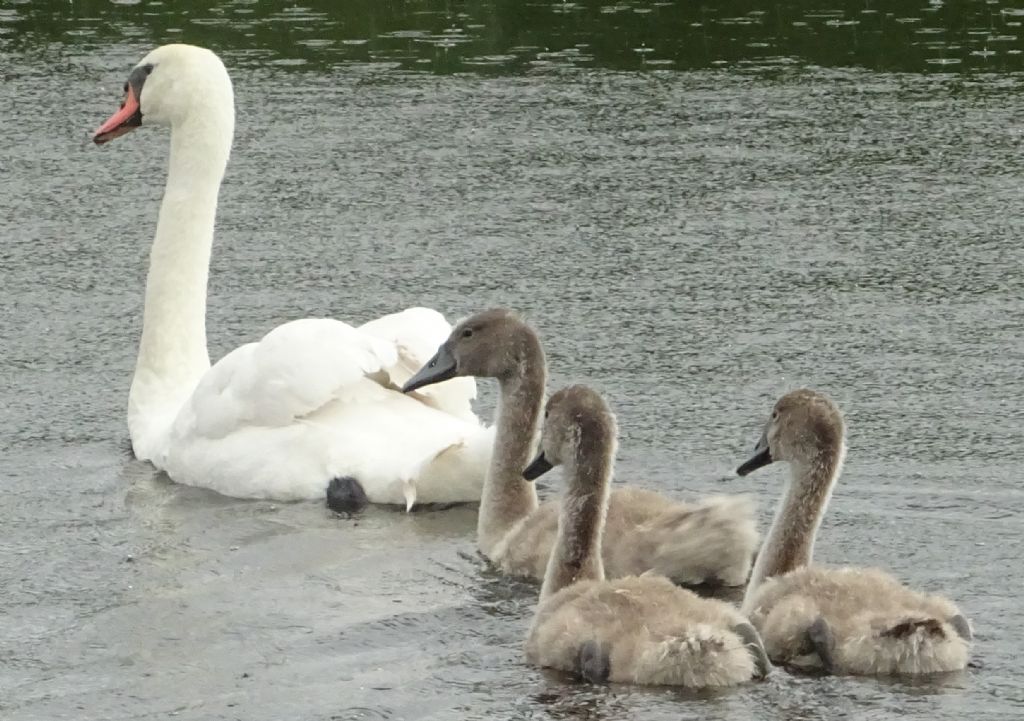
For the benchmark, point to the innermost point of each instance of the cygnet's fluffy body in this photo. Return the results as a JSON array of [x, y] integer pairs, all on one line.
[[843, 620], [642, 630]]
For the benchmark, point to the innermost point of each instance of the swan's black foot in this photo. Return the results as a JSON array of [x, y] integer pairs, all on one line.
[[752, 640], [593, 664], [820, 635], [346, 495]]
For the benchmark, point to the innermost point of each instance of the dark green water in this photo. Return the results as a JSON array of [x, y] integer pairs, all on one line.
[[698, 208], [509, 36]]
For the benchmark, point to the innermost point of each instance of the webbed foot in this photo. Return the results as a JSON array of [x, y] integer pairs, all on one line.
[[752, 640], [346, 495], [820, 635], [593, 664]]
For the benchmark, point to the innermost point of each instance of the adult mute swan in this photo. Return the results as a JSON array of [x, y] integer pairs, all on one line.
[[842, 620], [638, 629], [316, 402], [711, 541]]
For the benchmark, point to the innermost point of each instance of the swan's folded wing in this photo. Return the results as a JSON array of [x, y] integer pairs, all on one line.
[[416, 334], [294, 370]]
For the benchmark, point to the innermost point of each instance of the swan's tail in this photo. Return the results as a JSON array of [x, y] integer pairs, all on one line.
[[912, 645], [453, 474], [704, 656], [710, 542]]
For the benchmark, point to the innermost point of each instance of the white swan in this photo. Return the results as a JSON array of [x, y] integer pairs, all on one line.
[[314, 402], [844, 620]]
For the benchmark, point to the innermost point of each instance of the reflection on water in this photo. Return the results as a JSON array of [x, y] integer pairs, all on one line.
[[508, 36]]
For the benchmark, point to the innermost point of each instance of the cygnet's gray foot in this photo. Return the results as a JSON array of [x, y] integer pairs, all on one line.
[[593, 663], [752, 640], [820, 635], [963, 628]]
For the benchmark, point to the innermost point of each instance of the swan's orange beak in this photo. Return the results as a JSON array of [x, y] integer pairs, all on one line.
[[123, 121]]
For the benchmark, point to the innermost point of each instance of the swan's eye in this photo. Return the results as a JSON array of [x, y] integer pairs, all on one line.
[[125, 87], [467, 333]]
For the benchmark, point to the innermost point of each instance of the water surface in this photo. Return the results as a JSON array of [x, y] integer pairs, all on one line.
[[781, 205]]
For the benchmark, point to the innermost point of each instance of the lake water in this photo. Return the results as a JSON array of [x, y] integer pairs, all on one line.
[[699, 209]]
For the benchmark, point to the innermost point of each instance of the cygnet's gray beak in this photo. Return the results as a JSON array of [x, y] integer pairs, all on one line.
[[762, 457], [537, 468], [439, 368]]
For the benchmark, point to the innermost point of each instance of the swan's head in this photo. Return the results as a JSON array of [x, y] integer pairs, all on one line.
[[496, 343], [805, 425], [171, 85], [578, 425]]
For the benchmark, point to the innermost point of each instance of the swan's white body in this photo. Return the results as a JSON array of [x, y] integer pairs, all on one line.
[[314, 399]]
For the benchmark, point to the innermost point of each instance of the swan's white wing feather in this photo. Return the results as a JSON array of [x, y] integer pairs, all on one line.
[[295, 369], [391, 443], [313, 400], [419, 330], [417, 333]]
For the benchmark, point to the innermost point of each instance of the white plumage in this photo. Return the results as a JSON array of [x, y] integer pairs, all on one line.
[[314, 399], [317, 399]]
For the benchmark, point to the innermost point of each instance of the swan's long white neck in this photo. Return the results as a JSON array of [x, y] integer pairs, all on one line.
[[790, 541], [172, 353]]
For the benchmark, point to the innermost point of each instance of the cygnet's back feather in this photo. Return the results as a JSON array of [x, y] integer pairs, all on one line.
[[877, 625], [707, 542], [650, 631]]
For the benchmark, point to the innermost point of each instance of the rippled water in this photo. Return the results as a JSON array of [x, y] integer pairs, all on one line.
[[500, 36], [693, 239]]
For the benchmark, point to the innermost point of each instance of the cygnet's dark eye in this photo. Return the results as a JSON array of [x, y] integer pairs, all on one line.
[[467, 333], [775, 415]]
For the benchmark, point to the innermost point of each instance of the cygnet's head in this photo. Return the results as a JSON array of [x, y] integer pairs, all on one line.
[[495, 343], [168, 87], [578, 424], [804, 426]]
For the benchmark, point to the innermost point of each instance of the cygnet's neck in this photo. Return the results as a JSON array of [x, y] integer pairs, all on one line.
[[576, 555], [172, 353], [790, 541], [507, 497]]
